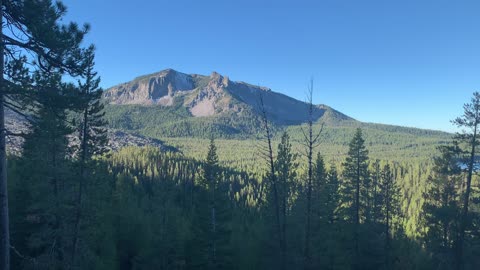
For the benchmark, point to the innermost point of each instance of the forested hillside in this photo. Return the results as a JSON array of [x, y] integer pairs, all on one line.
[[245, 183]]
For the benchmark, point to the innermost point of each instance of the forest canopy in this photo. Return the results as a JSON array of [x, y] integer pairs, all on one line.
[[316, 195]]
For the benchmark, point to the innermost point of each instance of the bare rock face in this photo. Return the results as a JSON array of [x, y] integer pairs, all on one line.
[[211, 95], [208, 101], [159, 88]]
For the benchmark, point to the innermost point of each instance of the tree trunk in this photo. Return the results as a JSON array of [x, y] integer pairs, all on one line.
[[307, 255], [357, 214], [214, 228], [466, 200], [281, 237], [83, 157], [276, 205], [284, 216], [387, 226], [4, 222]]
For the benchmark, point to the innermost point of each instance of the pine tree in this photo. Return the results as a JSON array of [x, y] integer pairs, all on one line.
[[355, 174], [214, 217], [331, 214], [286, 173], [31, 30], [332, 194], [469, 122], [376, 198], [326, 243], [320, 194], [92, 136], [442, 206], [46, 172], [390, 211]]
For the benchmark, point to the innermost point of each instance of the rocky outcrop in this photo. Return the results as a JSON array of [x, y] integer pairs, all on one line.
[[158, 88], [210, 99], [212, 95], [117, 139]]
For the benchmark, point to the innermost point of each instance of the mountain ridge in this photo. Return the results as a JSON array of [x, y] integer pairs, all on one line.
[[170, 104], [212, 95]]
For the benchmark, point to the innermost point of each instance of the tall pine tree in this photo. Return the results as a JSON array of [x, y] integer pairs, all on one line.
[[469, 122], [285, 165], [92, 136], [390, 205], [213, 216], [355, 177], [30, 30], [442, 207], [46, 173]]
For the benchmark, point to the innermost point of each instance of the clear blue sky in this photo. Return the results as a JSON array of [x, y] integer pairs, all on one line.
[[411, 63]]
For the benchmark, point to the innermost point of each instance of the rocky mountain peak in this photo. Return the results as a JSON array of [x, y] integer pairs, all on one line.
[[157, 88], [215, 75], [209, 95]]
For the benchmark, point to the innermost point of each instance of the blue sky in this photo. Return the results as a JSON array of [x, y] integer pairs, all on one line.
[[410, 63]]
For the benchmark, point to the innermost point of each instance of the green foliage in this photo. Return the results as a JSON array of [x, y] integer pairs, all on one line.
[[214, 205], [176, 121], [442, 207], [45, 152], [355, 186], [212, 219]]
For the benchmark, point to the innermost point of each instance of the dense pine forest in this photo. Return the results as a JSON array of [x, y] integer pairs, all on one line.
[[308, 196]]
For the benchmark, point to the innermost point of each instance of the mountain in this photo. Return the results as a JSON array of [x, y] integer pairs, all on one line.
[[185, 110], [178, 111], [213, 95], [174, 104]]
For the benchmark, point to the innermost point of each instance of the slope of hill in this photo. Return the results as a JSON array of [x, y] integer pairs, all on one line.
[[173, 104], [213, 95]]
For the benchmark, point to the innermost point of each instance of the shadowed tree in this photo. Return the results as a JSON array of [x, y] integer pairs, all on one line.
[[310, 142], [286, 173], [273, 184], [213, 216], [390, 202], [31, 38], [92, 135], [45, 173], [355, 174], [469, 123], [376, 204], [442, 207]]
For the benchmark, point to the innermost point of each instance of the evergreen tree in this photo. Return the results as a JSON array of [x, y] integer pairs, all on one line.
[[442, 207], [214, 217], [469, 122], [92, 136], [30, 30], [331, 206], [286, 173], [332, 201], [390, 195], [320, 191], [325, 203], [356, 175], [376, 196], [45, 172]]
